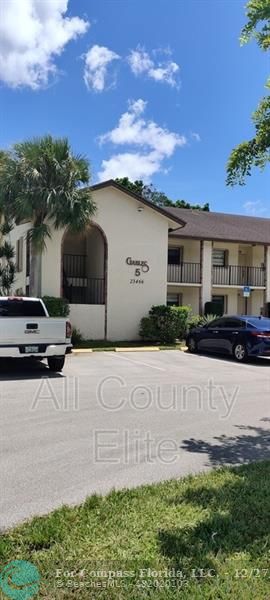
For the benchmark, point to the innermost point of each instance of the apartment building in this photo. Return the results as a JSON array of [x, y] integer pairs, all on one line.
[[214, 257], [135, 254]]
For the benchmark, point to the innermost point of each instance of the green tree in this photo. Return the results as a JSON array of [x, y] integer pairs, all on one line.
[[7, 253], [7, 268], [150, 193], [43, 182], [256, 151]]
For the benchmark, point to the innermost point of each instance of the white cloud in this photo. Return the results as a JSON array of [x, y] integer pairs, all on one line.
[[165, 71], [155, 144], [134, 165], [97, 60], [32, 34], [196, 136], [255, 208]]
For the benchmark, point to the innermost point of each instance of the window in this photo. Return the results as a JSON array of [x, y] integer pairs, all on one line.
[[175, 256], [234, 324], [222, 302], [21, 308], [174, 299], [216, 324], [220, 257], [19, 255]]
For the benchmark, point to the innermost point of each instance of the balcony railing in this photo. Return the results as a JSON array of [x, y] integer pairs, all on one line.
[[77, 287], [238, 275], [81, 290], [184, 273]]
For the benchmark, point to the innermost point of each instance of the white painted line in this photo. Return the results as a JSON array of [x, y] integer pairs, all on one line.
[[135, 362]]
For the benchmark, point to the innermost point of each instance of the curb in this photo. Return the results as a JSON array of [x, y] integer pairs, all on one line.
[[139, 349], [82, 351], [127, 349]]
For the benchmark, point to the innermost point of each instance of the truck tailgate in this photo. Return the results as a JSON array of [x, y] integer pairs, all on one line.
[[25, 330]]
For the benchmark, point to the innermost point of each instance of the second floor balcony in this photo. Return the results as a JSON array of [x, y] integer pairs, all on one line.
[[239, 276], [185, 272], [234, 275]]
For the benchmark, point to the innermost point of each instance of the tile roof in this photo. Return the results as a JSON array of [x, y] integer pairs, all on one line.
[[221, 226]]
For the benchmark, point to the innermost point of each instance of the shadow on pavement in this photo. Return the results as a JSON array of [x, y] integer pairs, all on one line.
[[252, 443], [19, 369]]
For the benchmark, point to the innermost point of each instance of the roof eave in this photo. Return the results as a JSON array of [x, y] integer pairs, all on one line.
[[111, 183]]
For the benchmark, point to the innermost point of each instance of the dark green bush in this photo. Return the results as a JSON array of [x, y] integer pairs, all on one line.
[[182, 314], [56, 307], [162, 325]]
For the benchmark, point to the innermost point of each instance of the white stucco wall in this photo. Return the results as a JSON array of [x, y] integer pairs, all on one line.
[[141, 235], [89, 319], [51, 274]]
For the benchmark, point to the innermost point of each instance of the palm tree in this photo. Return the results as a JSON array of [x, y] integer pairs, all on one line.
[[43, 182]]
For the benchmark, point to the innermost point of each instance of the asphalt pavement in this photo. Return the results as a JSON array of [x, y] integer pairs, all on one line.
[[114, 420]]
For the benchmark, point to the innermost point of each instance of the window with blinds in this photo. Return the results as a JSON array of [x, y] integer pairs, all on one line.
[[219, 257], [174, 300]]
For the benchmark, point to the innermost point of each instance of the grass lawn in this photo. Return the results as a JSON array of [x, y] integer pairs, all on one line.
[[214, 528]]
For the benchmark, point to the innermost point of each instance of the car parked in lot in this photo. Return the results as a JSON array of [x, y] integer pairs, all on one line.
[[240, 337], [27, 331]]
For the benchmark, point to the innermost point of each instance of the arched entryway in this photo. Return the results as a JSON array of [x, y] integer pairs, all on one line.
[[84, 281], [84, 258]]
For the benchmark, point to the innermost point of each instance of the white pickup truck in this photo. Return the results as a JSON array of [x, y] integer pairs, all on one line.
[[26, 330]]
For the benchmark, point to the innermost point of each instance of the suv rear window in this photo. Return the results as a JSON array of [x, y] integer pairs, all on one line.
[[21, 308]]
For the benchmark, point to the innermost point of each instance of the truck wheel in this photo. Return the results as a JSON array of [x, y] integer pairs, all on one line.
[[56, 363]]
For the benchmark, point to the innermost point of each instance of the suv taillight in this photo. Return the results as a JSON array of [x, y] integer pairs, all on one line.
[[68, 329]]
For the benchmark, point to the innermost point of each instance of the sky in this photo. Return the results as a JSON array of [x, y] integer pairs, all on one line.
[[158, 90]]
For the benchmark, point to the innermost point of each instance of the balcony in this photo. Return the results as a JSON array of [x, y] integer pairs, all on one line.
[[239, 276], [184, 273], [78, 287]]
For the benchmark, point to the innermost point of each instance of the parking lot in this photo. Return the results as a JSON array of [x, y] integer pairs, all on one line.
[[123, 419]]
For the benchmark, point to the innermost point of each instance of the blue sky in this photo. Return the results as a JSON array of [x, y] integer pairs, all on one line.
[[159, 88]]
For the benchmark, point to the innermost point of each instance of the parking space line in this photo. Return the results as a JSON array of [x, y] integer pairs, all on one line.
[[136, 362]]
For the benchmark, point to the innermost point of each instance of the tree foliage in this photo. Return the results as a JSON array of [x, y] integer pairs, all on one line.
[[256, 151], [44, 183], [150, 193], [41, 181]]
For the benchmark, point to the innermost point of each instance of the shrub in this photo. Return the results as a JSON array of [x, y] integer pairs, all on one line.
[[162, 325], [199, 321], [194, 321], [208, 318], [182, 314], [76, 336], [56, 307]]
